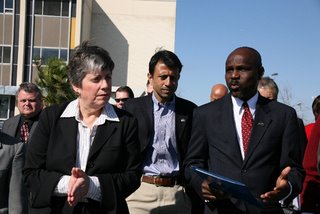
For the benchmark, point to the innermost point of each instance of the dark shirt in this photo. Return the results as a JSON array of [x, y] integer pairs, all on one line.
[[30, 122]]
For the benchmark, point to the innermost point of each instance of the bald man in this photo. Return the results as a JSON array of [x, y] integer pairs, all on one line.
[[218, 91]]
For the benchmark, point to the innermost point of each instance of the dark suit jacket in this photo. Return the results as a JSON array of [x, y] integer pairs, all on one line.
[[113, 158], [142, 109], [11, 126], [12, 191], [274, 144]]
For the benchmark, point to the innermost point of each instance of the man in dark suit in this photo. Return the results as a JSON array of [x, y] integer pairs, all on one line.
[[12, 191], [164, 122], [267, 157], [29, 104]]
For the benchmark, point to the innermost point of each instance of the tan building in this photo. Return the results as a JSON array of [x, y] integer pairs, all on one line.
[[131, 30]]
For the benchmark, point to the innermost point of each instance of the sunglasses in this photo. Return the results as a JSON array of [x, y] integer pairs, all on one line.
[[123, 99]]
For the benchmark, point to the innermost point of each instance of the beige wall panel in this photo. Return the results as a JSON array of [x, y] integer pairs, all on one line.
[[6, 75], [37, 30], [51, 32], [1, 28], [8, 30], [64, 33]]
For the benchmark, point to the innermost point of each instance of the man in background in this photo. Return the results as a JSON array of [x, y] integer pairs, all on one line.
[[123, 93], [268, 88], [218, 91], [13, 196], [29, 103]]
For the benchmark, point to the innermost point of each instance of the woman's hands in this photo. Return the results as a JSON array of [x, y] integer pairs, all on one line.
[[78, 186]]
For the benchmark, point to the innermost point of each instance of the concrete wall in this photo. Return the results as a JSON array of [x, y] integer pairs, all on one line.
[[132, 30]]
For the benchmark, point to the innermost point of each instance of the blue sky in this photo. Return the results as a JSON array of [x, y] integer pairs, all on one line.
[[285, 32]]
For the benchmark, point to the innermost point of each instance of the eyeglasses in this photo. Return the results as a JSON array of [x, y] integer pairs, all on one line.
[[122, 99]]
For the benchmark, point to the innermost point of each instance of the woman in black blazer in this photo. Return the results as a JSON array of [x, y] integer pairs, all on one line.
[[84, 155]]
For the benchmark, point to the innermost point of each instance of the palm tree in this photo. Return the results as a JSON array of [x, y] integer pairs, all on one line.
[[53, 82]]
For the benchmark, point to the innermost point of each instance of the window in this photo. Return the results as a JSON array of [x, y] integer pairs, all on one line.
[[37, 7], [5, 54], [6, 6], [49, 53], [4, 107], [65, 8], [52, 8], [1, 6], [64, 54], [9, 4]]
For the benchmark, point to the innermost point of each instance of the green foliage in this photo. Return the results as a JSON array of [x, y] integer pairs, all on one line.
[[53, 82]]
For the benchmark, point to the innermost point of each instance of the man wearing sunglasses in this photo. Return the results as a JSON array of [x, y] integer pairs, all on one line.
[[123, 93]]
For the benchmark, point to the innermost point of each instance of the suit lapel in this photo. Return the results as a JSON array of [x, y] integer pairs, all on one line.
[[102, 136], [33, 128], [230, 130], [181, 119], [147, 115], [68, 130], [260, 125], [13, 126]]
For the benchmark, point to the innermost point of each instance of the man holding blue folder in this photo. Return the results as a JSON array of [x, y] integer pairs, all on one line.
[[246, 138]]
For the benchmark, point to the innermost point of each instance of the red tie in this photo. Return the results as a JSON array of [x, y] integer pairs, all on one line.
[[246, 126], [24, 132]]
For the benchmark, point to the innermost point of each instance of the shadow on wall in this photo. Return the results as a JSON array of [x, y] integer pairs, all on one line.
[[106, 34]]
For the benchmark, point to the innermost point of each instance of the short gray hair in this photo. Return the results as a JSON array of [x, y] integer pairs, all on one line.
[[267, 82], [29, 87], [87, 59]]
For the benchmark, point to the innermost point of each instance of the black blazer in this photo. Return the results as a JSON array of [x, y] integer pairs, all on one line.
[[274, 144], [113, 158]]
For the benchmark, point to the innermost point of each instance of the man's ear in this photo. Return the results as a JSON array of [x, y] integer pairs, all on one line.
[[150, 78], [261, 72]]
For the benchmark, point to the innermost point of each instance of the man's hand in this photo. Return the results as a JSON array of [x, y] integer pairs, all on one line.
[[281, 190], [209, 194], [78, 186]]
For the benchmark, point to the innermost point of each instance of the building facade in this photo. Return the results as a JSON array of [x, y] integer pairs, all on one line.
[[131, 30]]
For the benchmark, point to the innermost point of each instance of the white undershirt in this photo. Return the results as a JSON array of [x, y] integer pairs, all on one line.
[[237, 115]]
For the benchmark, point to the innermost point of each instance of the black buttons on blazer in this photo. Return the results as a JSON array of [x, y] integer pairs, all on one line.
[[90, 164]]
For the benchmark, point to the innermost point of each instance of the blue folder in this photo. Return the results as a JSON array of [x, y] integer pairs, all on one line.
[[231, 187]]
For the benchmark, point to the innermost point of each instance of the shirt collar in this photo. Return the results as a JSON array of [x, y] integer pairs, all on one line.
[[237, 103], [72, 110], [157, 105]]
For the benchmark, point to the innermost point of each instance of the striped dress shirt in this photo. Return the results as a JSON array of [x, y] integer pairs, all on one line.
[[85, 137]]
